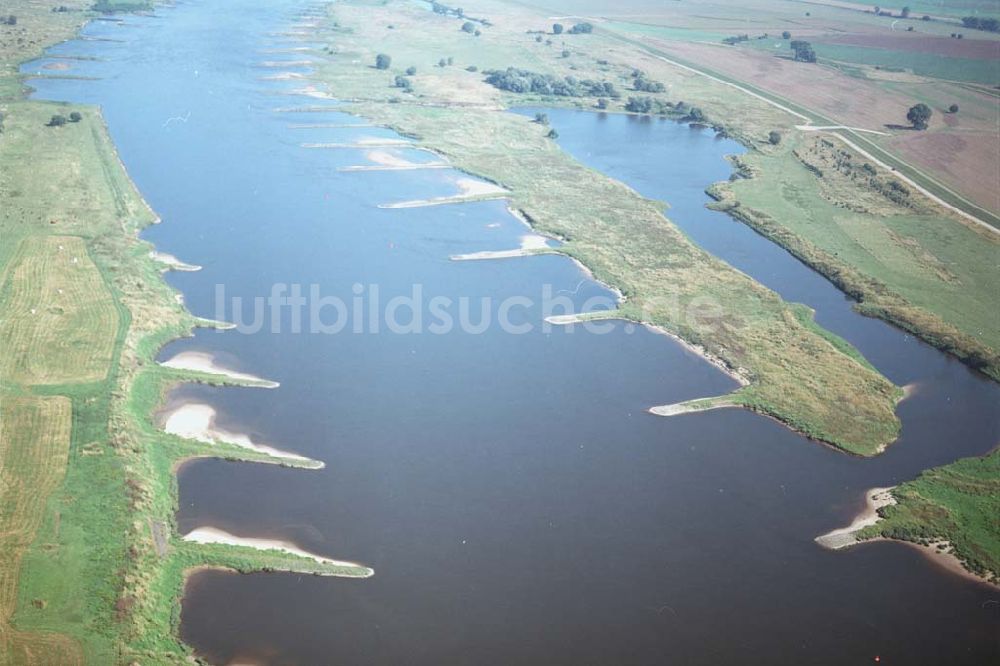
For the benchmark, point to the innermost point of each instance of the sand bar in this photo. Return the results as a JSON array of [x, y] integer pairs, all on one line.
[[692, 406], [328, 125], [213, 535], [205, 362], [530, 244], [470, 189], [283, 76], [287, 63], [843, 537], [363, 143], [386, 161], [196, 421], [173, 262]]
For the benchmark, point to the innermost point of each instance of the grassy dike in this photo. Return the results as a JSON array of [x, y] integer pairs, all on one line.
[[796, 373], [91, 566]]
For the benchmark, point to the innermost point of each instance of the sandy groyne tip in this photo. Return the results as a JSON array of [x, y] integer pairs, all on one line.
[[213, 535], [843, 537], [172, 262], [530, 244], [195, 420], [204, 362]]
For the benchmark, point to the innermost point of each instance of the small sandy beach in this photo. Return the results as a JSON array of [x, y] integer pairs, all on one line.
[[843, 537]]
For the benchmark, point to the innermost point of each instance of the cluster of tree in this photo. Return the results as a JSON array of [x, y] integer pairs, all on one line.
[[581, 29], [980, 23], [659, 107], [458, 12], [9, 20], [108, 7], [919, 115], [59, 120], [648, 105], [903, 13], [524, 81], [956, 35], [803, 51], [60, 9], [404, 83], [444, 62], [444, 10], [642, 84], [736, 39]]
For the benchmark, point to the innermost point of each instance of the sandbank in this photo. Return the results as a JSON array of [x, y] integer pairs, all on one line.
[[470, 189], [205, 362], [195, 420], [843, 537], [213, 535], [172, 262], [530, 244]]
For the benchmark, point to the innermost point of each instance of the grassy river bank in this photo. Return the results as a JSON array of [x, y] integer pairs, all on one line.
[[91, 565]]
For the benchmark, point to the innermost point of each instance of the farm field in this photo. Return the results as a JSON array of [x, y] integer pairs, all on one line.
[[59, 321], [34, 448]]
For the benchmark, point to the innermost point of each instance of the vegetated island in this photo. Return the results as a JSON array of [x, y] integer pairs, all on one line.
[[91, 565]]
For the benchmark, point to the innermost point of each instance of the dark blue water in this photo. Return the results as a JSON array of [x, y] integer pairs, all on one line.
[[516, 501]]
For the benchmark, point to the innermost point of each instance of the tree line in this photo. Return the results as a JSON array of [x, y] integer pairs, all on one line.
[[979, 23]]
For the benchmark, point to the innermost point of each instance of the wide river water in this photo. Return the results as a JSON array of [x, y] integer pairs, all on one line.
[[518, 504]]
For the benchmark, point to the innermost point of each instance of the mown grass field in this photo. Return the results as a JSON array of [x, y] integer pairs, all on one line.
[[59, 322], [797, 375], [34, 447]]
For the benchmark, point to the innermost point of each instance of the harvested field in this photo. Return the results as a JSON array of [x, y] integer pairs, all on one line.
[[34, 449], [874, 105], [847, 100], [59, 319], [963, 160], [919, 43]]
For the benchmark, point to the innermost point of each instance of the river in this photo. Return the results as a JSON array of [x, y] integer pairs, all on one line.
[[516, 501]]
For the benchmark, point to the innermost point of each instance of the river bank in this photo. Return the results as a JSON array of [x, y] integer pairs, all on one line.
[[118, 491], [869, 522]]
